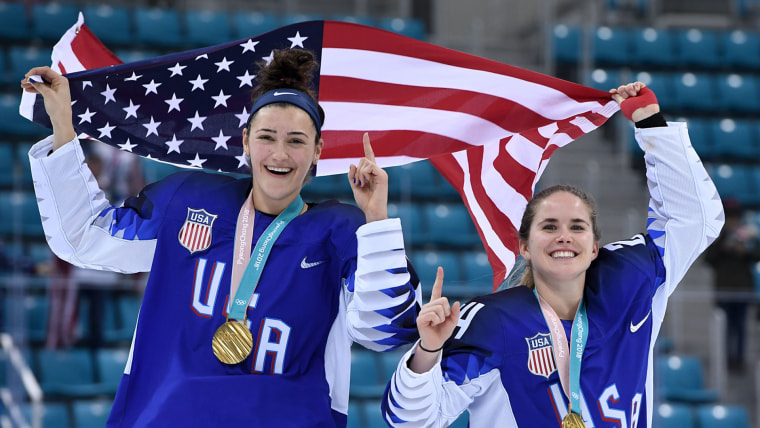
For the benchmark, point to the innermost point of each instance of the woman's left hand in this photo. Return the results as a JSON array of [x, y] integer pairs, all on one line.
[[369, 183]]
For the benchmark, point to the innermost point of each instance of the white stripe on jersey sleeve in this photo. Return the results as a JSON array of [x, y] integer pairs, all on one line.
[[69, 200], [381, 265]]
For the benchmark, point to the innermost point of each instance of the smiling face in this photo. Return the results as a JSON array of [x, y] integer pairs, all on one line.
[[561, 242], [280, 141]]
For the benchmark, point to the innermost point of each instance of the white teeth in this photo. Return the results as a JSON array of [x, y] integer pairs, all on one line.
[[280, 170], [563, 254]]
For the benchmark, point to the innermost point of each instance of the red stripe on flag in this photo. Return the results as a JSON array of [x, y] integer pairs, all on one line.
[[91, 52], [342, 144]]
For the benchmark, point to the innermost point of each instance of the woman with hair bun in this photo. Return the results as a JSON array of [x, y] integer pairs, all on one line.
[[254, 297]]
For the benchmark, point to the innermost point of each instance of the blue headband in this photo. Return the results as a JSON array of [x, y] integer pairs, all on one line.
[[290, 96]]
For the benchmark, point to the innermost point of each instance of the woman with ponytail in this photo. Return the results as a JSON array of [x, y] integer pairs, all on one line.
[[572, 346]]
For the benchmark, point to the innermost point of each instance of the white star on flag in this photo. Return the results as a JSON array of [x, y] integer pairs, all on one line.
[[86, 116], [297, 40], [174, 103]]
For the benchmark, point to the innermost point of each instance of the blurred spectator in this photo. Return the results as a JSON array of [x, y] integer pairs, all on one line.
[[732, 258], [119, 174]]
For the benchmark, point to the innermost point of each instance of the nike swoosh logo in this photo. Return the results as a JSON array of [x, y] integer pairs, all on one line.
[[278, 93], [307, 265], [635, 327]]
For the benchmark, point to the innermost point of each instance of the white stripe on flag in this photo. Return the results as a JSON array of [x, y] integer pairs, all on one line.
[[362, 64], [473, 130], [492, 240]]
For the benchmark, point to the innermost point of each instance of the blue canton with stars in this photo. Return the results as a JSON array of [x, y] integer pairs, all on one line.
[[187, 108]]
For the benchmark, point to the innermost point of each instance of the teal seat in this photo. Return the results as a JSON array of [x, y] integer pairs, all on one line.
[[91, 413], [723, 416]]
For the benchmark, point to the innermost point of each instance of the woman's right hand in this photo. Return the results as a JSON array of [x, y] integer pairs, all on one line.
[[435, 323], [54, 89]]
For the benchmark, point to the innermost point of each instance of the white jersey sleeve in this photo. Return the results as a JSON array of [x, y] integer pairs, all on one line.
[[382, 299], [685, 211], [70, 204]]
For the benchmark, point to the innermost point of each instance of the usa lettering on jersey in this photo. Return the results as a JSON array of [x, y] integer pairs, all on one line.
[[195, 234], [540, 355]]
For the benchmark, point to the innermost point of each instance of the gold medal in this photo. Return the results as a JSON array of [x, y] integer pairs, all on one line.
[[573, 420], [232, 342]]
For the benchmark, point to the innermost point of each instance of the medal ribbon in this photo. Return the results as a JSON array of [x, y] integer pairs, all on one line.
[[246, 275], [568, 361]]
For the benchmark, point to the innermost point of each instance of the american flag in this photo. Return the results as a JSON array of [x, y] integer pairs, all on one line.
[[488, 127]]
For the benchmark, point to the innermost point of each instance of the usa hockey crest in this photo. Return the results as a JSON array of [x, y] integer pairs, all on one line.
[[195, 234], [540, 355]]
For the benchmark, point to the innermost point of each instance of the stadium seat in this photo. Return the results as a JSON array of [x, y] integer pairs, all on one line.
[[417, 179], [295, 18], [733, 181], [611, 46], [21, 215], [735, 138], [327, 187], [373, 414], [112, 24], [680, 379], [701, 137], [741, 48], [673, 415], [134, 55], [410, 27], [566, 43], [6, 78], [251, 24], [14, 23], [604, 79], [414, 228], [158, 27], [365, 375], [207, 27], [21, 58], [389, 362], [477, 273], [738, 93], [36, 315], [22, 161], [53, 414], [426, 265], [110, 364], [13, 124], [450, 225], [698, 47], [355, 19], [51, 19], [653, 47], [7, 164], [91, 413], [694, 91], [354, 415], [128, 308], [67, 373], [723, 416], [662, 84]]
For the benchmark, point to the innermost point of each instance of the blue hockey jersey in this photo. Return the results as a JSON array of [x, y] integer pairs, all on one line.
[[499, 363], [329, 281]]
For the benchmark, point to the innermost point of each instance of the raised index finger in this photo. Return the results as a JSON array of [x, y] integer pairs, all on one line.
[[438, 285], [368, 153]]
